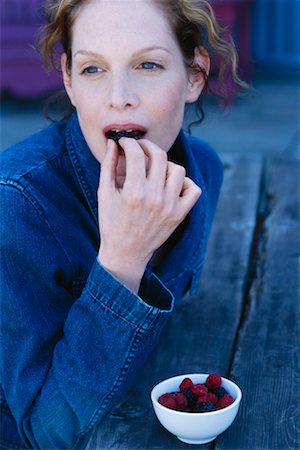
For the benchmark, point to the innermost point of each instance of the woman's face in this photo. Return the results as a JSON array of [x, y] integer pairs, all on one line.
[[127, 73]]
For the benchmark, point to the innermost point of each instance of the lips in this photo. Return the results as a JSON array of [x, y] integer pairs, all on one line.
[[117, 131]]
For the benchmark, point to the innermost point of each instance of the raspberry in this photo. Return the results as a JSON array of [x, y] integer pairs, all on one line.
[[213, 381], [225, 401], [186, 384], [220, 392], [181, 400], [198, 389], [168, 401], [206, 407], [202, 397], [164, 396]]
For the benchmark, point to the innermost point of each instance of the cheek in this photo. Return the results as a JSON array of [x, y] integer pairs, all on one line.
[[172, 101], [85, 100], [170, 113], [88, 116], [85, 109]]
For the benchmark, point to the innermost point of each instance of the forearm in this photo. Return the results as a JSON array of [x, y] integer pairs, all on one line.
[[106, 339]]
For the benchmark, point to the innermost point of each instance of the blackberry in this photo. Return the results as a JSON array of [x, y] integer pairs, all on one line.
[[118, 134], [220, 392], [206, 407], [191, 398]]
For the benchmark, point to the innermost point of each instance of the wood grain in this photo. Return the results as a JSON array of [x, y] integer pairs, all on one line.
[[267, 359]]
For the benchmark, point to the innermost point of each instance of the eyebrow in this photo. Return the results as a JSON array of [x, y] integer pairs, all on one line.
[[137, 53]]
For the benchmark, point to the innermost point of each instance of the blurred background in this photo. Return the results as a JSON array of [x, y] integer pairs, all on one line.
[[264, 120]]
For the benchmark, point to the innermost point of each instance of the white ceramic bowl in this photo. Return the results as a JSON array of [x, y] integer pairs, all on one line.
[[195, 428]]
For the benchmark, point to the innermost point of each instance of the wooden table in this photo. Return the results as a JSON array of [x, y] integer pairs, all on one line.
[[243, 322]]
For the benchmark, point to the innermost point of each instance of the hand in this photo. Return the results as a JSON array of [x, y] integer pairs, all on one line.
[[138, 218]]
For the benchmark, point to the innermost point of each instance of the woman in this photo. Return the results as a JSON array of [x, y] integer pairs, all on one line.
[[91, 269]]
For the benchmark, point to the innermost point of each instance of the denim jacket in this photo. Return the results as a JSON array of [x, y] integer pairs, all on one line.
[[72, 335]]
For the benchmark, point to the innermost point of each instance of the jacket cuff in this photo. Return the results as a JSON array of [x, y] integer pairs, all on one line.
[[154, 299], [153, 292]]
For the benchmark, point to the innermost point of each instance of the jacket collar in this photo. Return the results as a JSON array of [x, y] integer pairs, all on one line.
[[85, 165], [191, 234]]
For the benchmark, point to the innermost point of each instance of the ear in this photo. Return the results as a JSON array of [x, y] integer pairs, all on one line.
[[196, 81], [67, 78]]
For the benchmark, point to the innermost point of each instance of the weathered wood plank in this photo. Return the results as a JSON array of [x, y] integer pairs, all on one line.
[[200, 335], [267, 361]]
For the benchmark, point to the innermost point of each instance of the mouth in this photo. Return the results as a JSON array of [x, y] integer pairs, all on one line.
[[116, 134]]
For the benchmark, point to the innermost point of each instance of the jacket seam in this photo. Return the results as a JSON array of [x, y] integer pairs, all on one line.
[[37, 166], [97, 300]]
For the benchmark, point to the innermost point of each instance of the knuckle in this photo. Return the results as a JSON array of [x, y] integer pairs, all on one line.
[[135, 199], [181, 171], [171, 165], [156, 203], [162, 155], [197, 191]]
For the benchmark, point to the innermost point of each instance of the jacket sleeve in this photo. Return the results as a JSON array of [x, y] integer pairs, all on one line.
[[65, 362]]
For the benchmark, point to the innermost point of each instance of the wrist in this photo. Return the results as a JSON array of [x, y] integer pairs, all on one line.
[[128, 271]]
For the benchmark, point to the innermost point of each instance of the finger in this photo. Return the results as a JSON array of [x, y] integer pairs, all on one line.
[[109, 165], [157, 163], [175, 178], [135, 162], [190, 194]]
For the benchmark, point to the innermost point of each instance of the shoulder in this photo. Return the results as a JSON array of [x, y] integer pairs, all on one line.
[[33, 153]]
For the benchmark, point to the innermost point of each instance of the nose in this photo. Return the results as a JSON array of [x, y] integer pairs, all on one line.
[[121, 93]]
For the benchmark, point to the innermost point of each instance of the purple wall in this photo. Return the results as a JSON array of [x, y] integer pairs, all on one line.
[[22, 71]]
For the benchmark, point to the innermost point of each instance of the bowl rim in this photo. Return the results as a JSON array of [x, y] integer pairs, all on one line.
[[189, 414]]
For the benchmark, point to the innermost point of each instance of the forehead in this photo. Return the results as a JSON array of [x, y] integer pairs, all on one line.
[[108, 22]]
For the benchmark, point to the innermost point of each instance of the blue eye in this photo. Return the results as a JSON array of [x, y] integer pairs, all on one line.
[[148, 65], [91, 70]]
